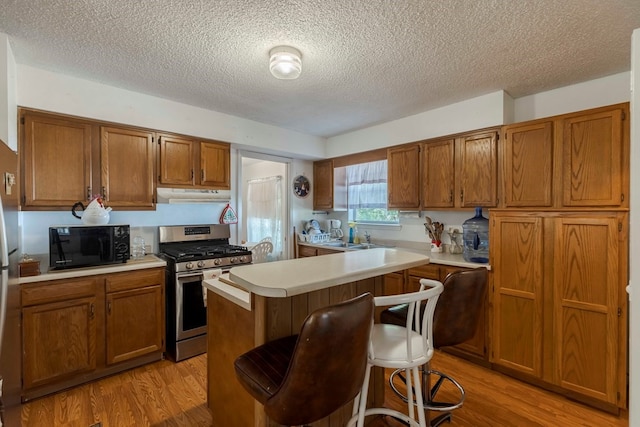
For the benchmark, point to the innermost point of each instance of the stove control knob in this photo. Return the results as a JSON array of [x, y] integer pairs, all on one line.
[[233, 260], [244, 259], [200, 264], [189, 265], [217, 261]]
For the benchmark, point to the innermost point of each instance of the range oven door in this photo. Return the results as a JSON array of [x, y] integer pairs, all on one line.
[[191, 312]]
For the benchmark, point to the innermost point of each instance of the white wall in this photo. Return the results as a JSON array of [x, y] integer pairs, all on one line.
[[8, 108], [35, 239], [634, 238], [70, 95], [494, 109], [608, 90], [476, 113]]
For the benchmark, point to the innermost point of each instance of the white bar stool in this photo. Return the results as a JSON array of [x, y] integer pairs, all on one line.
[[402, 347]]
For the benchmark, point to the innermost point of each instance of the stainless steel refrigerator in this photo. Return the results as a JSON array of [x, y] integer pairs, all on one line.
[[10, 333]]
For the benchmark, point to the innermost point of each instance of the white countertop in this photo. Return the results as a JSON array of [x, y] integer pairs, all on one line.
[[298, 276], [225, 288], [443, 258], [149, 261]]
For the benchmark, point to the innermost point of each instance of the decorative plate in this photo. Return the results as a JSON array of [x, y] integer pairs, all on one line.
[[301, 186]]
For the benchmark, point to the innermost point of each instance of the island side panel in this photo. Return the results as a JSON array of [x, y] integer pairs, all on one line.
[[230, 333], [285, 316], [234, 330]]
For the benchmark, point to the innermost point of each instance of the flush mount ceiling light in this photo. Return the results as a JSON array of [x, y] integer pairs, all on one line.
[[285, 62]]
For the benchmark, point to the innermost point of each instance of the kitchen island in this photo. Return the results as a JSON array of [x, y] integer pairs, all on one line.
[[258, 303]]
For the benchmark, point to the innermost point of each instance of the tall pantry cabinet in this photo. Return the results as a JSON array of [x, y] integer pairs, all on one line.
[[559, 254]]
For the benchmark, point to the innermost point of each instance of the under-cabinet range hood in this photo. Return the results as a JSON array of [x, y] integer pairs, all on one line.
[[186, 195]]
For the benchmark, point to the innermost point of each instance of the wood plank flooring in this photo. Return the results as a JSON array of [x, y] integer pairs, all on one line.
[[174, 394]]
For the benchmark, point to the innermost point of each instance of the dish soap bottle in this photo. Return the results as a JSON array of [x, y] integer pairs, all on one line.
[[351, 231]]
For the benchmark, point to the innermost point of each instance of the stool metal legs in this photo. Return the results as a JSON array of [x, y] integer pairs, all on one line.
[[360, 410], [430, 394]]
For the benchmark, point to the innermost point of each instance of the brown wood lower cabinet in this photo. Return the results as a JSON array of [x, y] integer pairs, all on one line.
[[135, 310], [77, 330], [59, 333], [306, 251], [559, 304]]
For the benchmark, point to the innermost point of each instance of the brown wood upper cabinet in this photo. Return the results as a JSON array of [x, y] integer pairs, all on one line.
[[189, 163], [56, 161], [477, 174], [323, 184], [573, 160], [127, 168], [403, 177], [68, 159], [456, 172]]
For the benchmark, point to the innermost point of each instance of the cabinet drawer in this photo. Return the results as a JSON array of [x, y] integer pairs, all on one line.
[[322, 251], [58, 290], [427, 271], [304, 251], [135, 279]]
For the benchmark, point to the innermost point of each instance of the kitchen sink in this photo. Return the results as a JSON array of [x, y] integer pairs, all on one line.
[[355, 246], [372, 246], [335, 244]]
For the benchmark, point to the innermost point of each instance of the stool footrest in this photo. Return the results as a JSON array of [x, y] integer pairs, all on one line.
[[429, 395]]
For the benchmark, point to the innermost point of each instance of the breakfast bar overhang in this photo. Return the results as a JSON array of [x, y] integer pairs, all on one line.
[[258, 303]]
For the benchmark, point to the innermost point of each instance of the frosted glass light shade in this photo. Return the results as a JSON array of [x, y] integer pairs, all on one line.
[[285, 62]]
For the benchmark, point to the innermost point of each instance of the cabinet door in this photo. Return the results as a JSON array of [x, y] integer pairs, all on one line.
[[215, 165], [403, 177], [176, 161], [518, 270], [50, 178], [586, 287], [427, 271], [134, 323], [59, 341], [592, 159], [478, 170], [323, 184], [393, 284], [127, 168], [438, 160], [528, 169]]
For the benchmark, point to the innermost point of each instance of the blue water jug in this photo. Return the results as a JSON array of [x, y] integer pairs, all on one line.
[[475, 234]]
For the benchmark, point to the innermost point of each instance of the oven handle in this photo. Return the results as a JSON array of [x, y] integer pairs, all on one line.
[[181, 276]]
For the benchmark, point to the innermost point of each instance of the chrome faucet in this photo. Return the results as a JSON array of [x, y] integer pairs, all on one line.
[[367, 236]]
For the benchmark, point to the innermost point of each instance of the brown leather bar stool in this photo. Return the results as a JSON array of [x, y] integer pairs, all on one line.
[[455, 321], [304, 378]]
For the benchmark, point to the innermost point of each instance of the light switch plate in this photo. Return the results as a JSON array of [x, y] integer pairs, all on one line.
[[9, 181]]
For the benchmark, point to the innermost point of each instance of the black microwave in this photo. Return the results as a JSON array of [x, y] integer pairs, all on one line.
[[72, 246]]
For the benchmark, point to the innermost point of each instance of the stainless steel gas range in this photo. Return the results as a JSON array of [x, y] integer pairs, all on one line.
[[193, 253]]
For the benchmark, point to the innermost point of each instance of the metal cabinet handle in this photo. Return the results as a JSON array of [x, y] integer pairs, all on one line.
[[109, 307], [92, 310], [451, 196], [104, 193], [88, 193]]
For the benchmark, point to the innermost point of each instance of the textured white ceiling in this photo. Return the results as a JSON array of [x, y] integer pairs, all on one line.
[[364, 61]]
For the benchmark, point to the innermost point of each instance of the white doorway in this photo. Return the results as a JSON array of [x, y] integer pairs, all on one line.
[[267, 173]]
